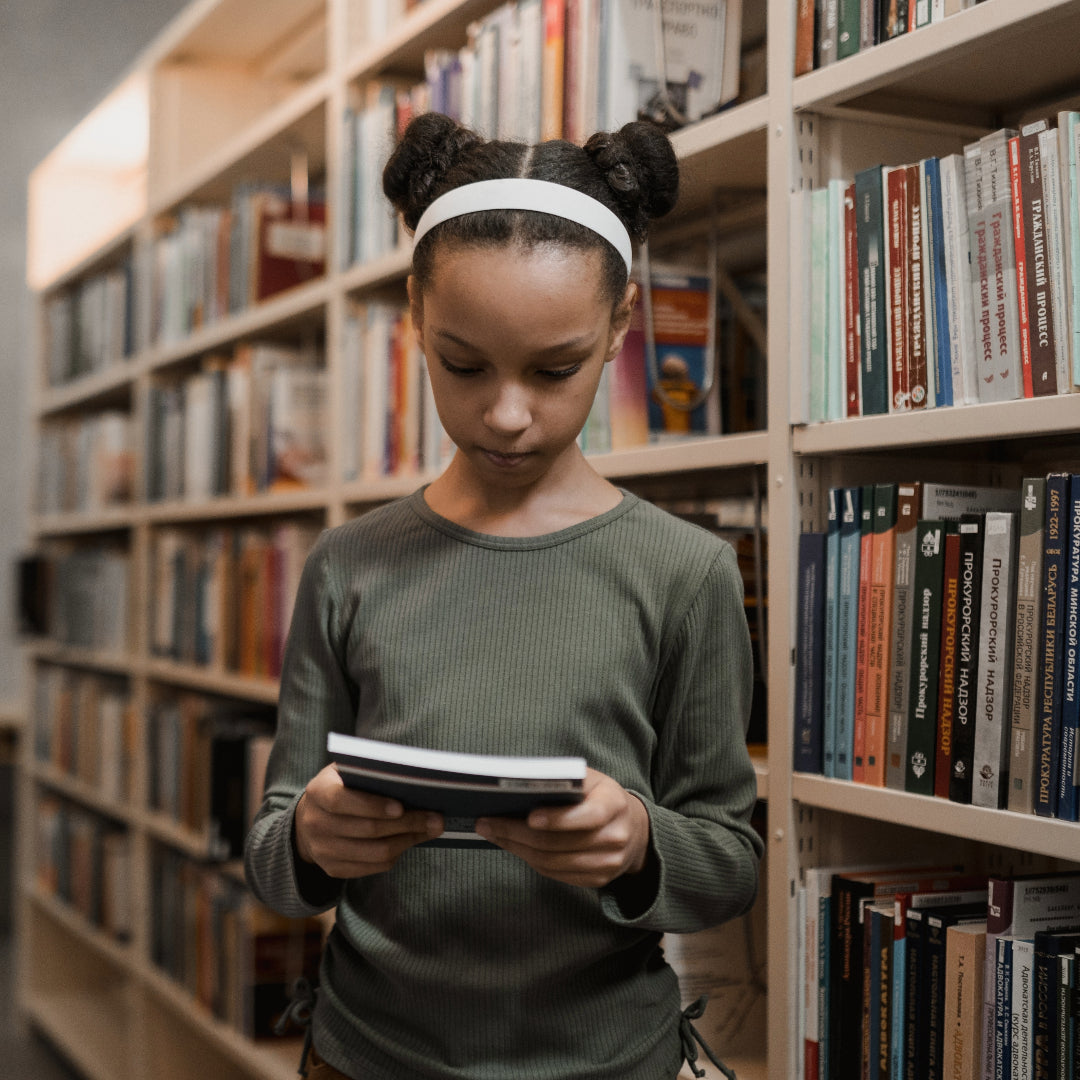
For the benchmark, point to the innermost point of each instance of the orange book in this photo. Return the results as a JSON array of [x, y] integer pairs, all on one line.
[[878, 660], [554, 69]]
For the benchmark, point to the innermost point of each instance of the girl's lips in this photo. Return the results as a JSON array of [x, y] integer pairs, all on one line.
[[504, 461]]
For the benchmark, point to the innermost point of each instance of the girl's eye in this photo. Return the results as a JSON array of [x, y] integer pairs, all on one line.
[[560, 373], [456, 369]]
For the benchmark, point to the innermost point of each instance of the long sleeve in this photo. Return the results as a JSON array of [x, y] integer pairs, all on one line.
[[705, 851], [316, 697]]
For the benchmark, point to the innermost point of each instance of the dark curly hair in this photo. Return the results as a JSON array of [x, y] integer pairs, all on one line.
[[634, 172]]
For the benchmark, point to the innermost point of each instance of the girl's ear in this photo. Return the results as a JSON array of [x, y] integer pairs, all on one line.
[[620, 321], [416, 308]]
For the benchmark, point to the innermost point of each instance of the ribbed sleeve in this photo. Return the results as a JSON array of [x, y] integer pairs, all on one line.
[[622, 639]]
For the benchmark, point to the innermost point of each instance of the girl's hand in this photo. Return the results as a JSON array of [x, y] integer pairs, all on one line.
[[589, 844], [349, 833]]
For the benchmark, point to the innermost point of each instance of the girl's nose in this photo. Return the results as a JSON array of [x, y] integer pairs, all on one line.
[[508, 413]]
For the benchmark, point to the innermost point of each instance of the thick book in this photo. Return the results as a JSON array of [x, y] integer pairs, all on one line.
[[879, 637], [894, 183], [1068, 809], [1049, 681], [994, 685], [953, 500], [957, 275], [462, 787], [847, 28], [805, 38], [926, 638], [1050, 1039], [851, 328], [1027, 650], [810, 655], [847, 628], [965, 962], [869, 240], [967, 656], [907, 514], [919, 376], [950, 595]]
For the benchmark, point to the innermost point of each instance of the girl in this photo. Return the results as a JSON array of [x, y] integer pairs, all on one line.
[[519, 604]]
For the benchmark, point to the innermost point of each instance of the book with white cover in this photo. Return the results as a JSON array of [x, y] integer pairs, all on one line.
[[460, 786]]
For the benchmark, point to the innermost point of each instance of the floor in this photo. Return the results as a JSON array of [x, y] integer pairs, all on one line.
[[23, 1054]]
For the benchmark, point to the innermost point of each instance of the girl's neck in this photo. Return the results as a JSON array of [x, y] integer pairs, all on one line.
[[576, 494]]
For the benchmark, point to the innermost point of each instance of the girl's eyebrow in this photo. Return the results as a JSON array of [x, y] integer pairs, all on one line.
[[581, 341]]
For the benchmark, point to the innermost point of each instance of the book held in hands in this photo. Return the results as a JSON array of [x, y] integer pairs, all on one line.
[[461, 787]]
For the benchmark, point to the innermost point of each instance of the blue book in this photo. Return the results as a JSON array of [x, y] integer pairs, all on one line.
[[1003, 1009], [1049, 685], [847, 628], [1070, 698], [832, 581], [877, 1008], [810, 655], [939, 313], [1050, 947]]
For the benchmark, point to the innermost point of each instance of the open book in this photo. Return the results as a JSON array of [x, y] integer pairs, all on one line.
[[462, 787]]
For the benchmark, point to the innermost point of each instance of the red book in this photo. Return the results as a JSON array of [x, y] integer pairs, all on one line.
[[291, 245], [914, 296], [852, 353], [1021, 262], [950, 596], [896, 246]]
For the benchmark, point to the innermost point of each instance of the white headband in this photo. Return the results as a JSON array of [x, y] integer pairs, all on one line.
[[525, 194]]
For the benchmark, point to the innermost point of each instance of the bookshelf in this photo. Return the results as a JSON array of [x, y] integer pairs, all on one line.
[[235, 92]]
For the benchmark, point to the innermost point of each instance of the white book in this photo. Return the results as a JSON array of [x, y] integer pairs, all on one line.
[[528, 69], [997, 611], [957, 277], [835, 356], [820, 289], [1023, 962], [800, 301], [197, 438]]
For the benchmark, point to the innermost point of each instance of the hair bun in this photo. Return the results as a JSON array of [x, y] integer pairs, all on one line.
[[641, 169], [429, 148]]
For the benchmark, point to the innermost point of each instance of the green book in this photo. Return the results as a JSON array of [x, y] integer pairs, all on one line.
[[848, 29]]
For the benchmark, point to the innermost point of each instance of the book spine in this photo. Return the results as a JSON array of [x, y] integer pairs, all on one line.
[[903, 605], [868, 23], [965, 961], [1033, 280], [1002, 1009], [804, 37], [852, 357], [847, 628], [1054, 227], [1021, 1010], [1027, 648], [831, 657], [828, 32], [835, 362], [883, 564], [950, 596], [862, 638], [1068, 809], [957, 252], [926, 638], [996, 617], [872, 341], [967, 641], [914, 1010], [848, 29], [809, 671], [896, 231], [915, 295], [1072, 146], [939, 288], [1048, 698], [1020, 227]]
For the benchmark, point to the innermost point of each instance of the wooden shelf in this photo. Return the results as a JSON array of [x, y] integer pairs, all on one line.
[[108, 949], [242, 687], [74, 524], [79, 790], [1026, 832], [55, 653], [234, 506], [102, 387], [706, 452], [932, 427]]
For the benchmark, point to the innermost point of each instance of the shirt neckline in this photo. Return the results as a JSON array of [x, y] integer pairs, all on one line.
[[419, 505]]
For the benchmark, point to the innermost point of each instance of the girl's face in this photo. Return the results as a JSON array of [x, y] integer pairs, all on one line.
[[516, 340]]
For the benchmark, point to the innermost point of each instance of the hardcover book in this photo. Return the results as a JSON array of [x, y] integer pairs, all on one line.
[[950, 593], [871, 292], [462, 787]]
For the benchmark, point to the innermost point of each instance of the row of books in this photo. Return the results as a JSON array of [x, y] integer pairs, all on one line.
[[950, 281], [84, 725], [223, 597], [212, 261], [938, 642], [385, 387], [251, 422], [86, 463], [830, 30], [207, 761], [84, 861], [90, 326], [237, 959], [544, 69], [86, 597], [921, 973]]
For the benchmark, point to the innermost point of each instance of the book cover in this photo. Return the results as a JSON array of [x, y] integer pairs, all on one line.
[[805, 36], [1027, 648], [994, 680], [926, 644], [1051, 633], [972, 536], [809, 665], [869, 225], [1068, 809], [831, 631], [848, 34], [847, 627], [1056, 254], [958, 279], [862, 639], [965, 962], [950, 596], [880, 611], [462, 787], [950, 501], [907, 513]]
